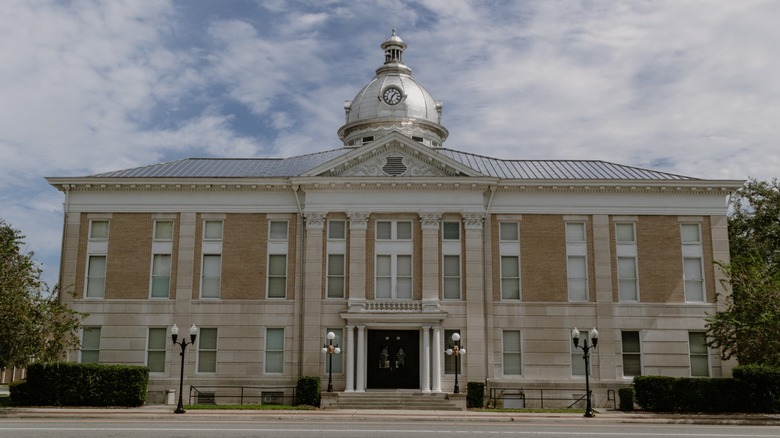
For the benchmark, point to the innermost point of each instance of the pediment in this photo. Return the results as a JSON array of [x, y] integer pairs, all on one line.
[[394, 155]]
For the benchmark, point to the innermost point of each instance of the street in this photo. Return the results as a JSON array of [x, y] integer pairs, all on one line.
[[217, 428]]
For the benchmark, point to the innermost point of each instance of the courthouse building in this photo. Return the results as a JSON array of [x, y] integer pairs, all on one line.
[[395, 242]]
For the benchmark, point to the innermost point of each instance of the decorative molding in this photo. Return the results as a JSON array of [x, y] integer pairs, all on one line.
[[315, 220], [430, 220], [473, 221], [358, 220], [393, 163]]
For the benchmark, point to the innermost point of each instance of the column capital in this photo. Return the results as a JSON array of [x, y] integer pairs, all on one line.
[[473, 221], [358, 220], [430, 219], [315, 220]]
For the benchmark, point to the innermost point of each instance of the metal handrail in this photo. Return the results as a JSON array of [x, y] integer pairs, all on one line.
[[521, 393], [218, 391]]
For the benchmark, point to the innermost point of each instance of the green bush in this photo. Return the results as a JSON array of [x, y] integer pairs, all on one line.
[[475, 395], [655, 393], [626, 396], [308, 391], [75, 384], [671, 394], [760, 388]]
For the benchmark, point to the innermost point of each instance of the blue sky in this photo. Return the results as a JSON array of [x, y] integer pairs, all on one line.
[[88, 86]]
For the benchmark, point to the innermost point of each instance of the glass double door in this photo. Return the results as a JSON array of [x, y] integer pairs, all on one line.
[[393, 359]]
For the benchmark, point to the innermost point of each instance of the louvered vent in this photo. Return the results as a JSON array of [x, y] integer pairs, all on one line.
[[394, 166]]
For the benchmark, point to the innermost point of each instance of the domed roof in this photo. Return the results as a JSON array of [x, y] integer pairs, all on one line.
[[393, 101]]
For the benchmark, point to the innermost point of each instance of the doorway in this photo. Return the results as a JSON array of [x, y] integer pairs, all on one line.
[[393, 359]]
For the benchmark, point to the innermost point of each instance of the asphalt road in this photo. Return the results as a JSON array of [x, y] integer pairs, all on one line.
[[232, 428]]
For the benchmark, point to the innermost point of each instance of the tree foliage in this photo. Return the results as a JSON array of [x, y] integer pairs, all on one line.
[[34, 326], [747, 329]]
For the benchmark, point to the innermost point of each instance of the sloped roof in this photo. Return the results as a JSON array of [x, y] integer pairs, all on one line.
[[298, 165]]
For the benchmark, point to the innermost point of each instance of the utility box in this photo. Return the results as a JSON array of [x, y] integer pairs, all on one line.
[[170, 397]]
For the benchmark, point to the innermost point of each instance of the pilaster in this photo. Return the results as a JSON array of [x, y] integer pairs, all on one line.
[[430, 262], [312, 293]]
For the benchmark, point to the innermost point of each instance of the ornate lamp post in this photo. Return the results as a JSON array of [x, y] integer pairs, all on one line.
[[330, 349], [458, 351], [183, 344], [594, 336]]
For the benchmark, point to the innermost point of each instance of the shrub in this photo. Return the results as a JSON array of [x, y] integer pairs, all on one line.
[[626, 396], [655, 393], [308, 391], [475, 395], [760, 388], [75, 384]]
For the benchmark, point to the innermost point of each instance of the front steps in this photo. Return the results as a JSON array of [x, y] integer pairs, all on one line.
[[393, 400]]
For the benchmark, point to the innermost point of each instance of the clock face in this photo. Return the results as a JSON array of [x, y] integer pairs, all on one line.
[[392, 96]]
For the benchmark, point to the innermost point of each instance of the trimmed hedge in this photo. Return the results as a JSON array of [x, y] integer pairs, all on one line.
[[76, 384], [475, 395], [753, 389], [626, 396], [307, 391]]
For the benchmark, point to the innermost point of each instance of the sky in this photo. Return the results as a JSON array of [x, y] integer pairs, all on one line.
[[87, 86]]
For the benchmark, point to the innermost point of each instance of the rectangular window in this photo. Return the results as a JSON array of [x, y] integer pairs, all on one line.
[[575, 232], [624, 233], [700, 361], [155, 350], [513, 363], [338, 359], [577, 278], [694, 280], [96, 276], [211, 276], [212, 230], [394, 276], [384, 230], [336, 275], [161, 275], [632, 354], [163, 231], [508, 232], [391, 230], [451, 277], [449, 360], [510, 278], [577, 361], [337, 230], [90, 345], [690, 233], [278, 230], [451, 231], [627, 280], [207, 350], [277, 276], [98, 230], [274, 350]]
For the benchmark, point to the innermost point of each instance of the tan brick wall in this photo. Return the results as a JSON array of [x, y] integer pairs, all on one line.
[[543, 258], [129, 256], [659, 251], [81, 262], [244, 246]]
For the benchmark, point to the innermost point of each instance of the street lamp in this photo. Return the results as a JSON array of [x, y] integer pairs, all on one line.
[[594, 336], [330, 350], [456, 350], [183, 344]]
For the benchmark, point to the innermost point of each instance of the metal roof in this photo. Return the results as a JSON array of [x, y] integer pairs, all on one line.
[[298, 165]]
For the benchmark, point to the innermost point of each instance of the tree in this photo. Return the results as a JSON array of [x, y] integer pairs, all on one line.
[[34, 326], [747, 329]]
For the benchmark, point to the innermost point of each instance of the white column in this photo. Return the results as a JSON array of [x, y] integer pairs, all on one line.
[[350, 359], [426, 362], [436, 355], [361, 359]]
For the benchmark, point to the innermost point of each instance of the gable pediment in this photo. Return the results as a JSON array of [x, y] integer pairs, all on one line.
[[394, 155]]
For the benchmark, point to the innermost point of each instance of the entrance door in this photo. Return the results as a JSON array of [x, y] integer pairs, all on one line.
[[393, 359]]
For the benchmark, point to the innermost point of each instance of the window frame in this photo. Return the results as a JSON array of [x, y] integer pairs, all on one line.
[[624, 353], [505, 352], [279, 352], [163, 350], [699, 355], [204, 277], [92, 350], [204, 350], [271, 276]]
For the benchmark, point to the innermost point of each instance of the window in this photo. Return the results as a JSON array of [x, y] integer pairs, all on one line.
[[700, 362], [212, 230], [576, 262], [392, 230], [451, 230], [624, 233], [694, 280], [207, 350], [577, 362], [274, 350], [394, 276], [211, 276], [90, 345], [336, 271], [508, 232], [338, 359], [96, 276], [632, 354], [277, 230], [161, 275], [510, 278], [277, 276], [451, 277], [512, 354], [627, 279], [155, 350], [98, 230], [690, 233], [337, 230], [449, 360], [163, 230]]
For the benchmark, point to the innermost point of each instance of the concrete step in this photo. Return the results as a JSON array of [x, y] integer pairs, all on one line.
[[393, 400]]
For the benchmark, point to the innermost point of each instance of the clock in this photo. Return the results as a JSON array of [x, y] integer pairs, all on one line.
[[392, 95]]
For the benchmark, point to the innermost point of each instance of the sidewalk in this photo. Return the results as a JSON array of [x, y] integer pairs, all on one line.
[[351, 415]]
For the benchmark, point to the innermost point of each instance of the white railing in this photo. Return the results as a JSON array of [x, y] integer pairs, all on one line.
[[394, 306]]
